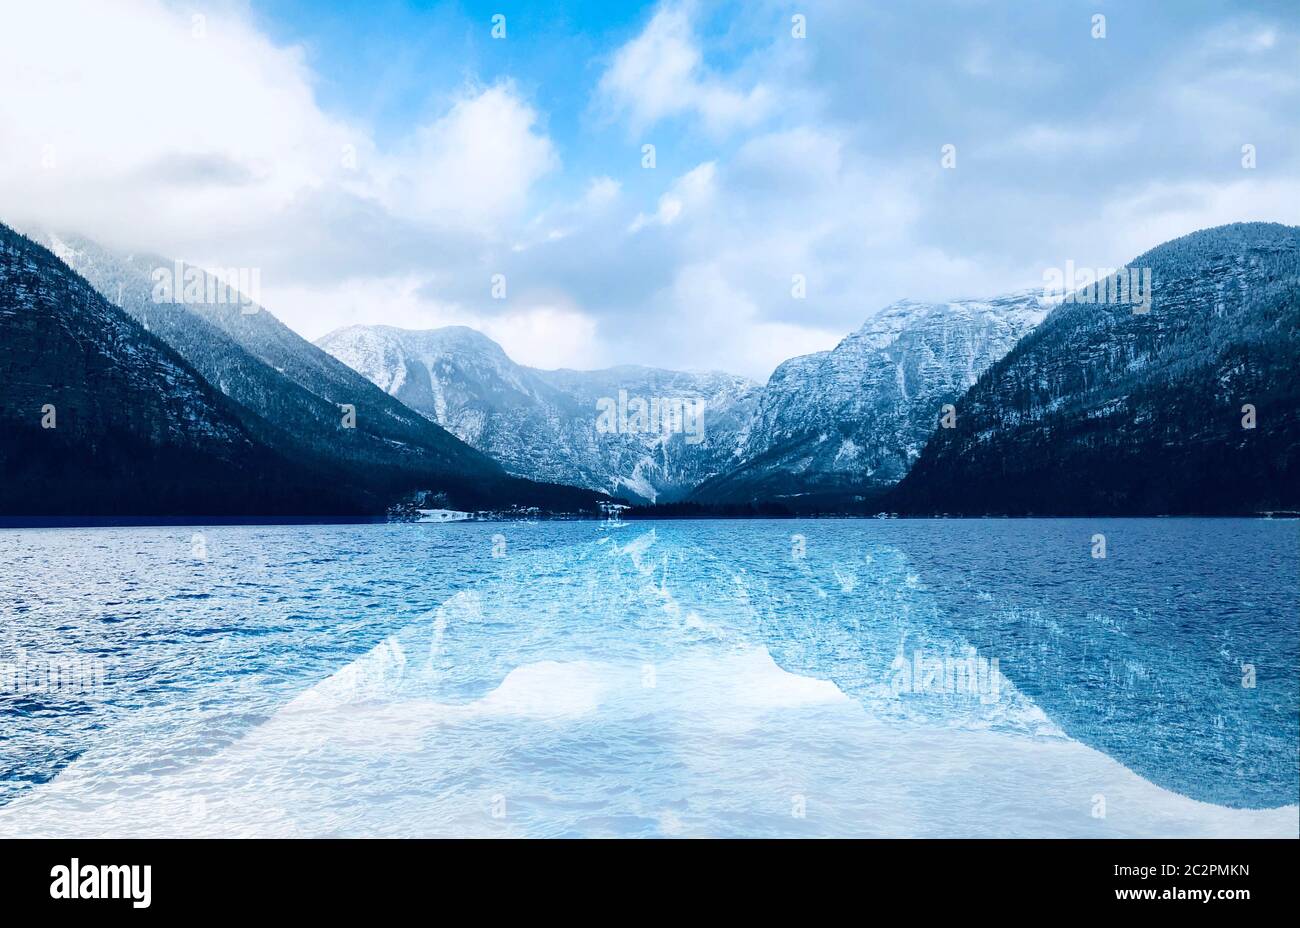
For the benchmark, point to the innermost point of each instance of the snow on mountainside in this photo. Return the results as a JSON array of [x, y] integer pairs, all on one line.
[[848, 423], [1090, 411], [547, 425]]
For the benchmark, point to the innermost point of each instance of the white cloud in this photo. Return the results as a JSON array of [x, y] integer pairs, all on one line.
[[600, 193], [536, 330], [1242, 37], [477, 163], [353, 301], [982, 61], [208, 136], [731, 235], [661, 74], [755, 345], [135, 109], [215, 149], [148, 129], [548, 336], [1160, 211], [1047, 140], [692, 190], [600, 198]]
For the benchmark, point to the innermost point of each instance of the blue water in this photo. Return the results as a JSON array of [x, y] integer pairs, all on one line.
[[720, 678]]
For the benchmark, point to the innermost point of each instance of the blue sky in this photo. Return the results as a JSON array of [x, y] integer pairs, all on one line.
[[391, 65], [381, 161]]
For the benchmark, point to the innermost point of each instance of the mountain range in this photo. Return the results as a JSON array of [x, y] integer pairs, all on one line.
[[830, 430], [348, 447], [1184, 401], [544, 423]]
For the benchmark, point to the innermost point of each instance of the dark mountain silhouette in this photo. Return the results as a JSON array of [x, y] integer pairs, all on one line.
[[1101, 410]]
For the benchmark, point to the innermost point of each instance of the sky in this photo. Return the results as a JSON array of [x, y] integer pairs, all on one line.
[[394, 162]]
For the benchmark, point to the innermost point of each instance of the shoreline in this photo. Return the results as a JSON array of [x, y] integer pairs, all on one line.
[[69, 522]]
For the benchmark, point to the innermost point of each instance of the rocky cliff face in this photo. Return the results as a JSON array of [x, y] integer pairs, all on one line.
[[548, 425], [837, 428], [1107, 410]]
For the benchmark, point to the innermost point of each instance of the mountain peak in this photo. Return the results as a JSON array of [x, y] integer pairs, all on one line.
[[1024, 306]]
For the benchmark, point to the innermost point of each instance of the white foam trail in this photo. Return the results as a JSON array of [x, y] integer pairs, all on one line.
[[715, 742]]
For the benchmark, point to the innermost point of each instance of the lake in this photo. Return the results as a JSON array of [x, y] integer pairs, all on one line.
[[680, 678]]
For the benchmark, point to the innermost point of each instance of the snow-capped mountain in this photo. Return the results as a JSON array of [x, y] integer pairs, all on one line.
[[605, 430], [839, 427], [293, 397], [1191, 406]]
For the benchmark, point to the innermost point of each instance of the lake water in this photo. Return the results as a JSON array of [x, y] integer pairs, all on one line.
[[731, 678]]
